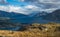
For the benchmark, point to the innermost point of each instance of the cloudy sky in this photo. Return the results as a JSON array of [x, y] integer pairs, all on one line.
[[29, 6]]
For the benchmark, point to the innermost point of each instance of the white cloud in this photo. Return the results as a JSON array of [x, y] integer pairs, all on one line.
[[20, 0], [41, 5], [24, 10], [3, 2], [46, 5], [31, 6], [38, 5], [48, 0], [49, 10], [16, 9], [11, 9]]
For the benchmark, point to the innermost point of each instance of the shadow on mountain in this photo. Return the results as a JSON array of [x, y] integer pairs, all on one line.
[[54, 16]]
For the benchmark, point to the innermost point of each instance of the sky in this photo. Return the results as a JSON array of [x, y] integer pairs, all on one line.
[[29, 6]]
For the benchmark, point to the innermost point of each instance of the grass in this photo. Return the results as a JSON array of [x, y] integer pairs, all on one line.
[[51, 30]]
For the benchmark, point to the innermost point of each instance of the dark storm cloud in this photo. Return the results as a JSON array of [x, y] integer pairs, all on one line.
[[44, 3]]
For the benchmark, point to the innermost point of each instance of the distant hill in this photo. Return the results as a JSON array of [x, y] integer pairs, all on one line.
[[15, 17], [54, 16], [37, 17], [11, 14], [40, 14]]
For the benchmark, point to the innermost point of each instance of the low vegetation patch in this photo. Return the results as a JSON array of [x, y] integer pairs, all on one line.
[[34, 30]]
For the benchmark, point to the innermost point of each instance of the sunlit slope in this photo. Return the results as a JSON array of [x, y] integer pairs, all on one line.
[[36, 30]]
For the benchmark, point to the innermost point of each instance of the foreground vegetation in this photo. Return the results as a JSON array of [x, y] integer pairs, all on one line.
[[34, 30]]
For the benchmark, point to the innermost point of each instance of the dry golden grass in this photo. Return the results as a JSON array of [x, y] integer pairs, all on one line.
[[33, 32]]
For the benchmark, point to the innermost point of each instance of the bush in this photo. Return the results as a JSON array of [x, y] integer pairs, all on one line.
[[57, 29], [22, 28], [35, 24]]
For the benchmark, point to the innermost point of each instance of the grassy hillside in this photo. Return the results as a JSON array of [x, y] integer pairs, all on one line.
[[34, 30]]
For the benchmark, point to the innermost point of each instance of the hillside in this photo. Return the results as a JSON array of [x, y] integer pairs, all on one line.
[[35, 30]]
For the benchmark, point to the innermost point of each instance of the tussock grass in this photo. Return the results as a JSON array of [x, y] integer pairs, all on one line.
[[48, 30]]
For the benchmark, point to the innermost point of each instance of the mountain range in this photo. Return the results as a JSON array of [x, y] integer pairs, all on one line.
[[15, 17], [38, 17]]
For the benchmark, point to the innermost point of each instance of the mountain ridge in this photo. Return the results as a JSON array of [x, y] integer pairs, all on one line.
[[54, 16], [37, 17]]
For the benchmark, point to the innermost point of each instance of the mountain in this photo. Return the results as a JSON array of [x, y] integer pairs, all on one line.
[[54, 16], [11, 14], [37, 17], [15, 17], [21, 18], [38, 13]]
